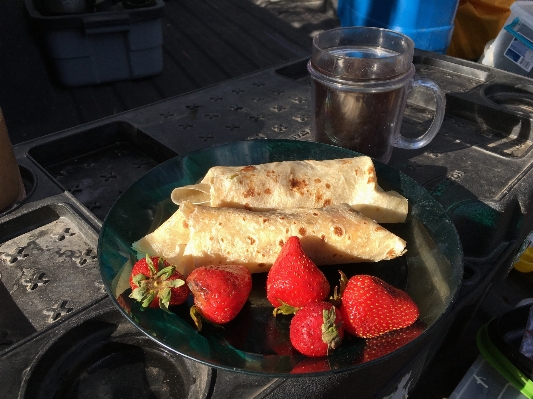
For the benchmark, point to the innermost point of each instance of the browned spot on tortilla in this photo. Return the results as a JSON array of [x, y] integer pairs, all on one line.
[[248, 168], [211, 238], [272, 175], [327, 202], [379, 228], [328, 186], [281, 243], [391, 253], [315, 213], [345, 161], [302, 231], [317, 180], [185, 224], [297, 185], [249, 193], [221, 240], [337, 230], [286, 231], [318, 197], [265, 220], [261, 264], [371, 176], [251, 239], [268, 191], [220, 224], [247, 207]]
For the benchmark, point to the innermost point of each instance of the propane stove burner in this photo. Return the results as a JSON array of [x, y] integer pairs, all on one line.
[[106, 357]]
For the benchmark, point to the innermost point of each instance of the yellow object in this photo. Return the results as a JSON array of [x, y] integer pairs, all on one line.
[[525, 262], [476, 23]]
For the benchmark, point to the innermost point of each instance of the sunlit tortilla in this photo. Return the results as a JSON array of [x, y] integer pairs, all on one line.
[[199, 235], [298, 184]]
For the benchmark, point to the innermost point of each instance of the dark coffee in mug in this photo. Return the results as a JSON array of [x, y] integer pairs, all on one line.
[[361, 78], [359, 122]]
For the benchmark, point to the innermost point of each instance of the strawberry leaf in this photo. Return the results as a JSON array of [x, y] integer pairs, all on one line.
[[164, 299], [199, 318], [138, 294], [330, 332], [165, 273], [285, 309], [148, 298], [336, 298], [151, 266], [196, 317], [176, 283], [138, 278], [160, 263]]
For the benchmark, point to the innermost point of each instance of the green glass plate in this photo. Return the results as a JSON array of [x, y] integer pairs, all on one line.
[[256, 342]]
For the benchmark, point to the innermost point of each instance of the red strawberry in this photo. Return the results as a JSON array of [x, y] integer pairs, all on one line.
[[317, 329], [278, 336], [294, 280], [156, 283], [311, 366], [371, 307], [389, 342], [219, 292]]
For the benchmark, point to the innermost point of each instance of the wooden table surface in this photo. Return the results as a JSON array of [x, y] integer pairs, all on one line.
[[204, 42]]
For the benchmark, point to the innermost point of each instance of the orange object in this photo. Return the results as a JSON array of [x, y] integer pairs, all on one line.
[[476, 23]]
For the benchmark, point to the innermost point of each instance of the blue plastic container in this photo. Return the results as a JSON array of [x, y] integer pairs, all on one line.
[[428, 23]]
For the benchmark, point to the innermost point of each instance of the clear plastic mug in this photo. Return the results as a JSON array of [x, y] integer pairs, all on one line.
[[361, 78]]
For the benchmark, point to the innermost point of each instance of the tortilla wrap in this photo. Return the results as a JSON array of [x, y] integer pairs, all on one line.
[[331, 235], [298, 184]]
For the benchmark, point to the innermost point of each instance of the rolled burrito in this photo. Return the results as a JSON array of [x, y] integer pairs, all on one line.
[[332, 235], [298, 184]]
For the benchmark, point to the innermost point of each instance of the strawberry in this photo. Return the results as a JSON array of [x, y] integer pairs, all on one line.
[[155, 283], [390, 341], [277, 336], [219, 292], [317, 329], [371, 307], [311, 366], [294, 280]]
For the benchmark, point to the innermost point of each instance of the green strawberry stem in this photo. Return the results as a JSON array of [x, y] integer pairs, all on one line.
[[151, 266], [330, 332], [336, 298], [199, 318], [156, 285], [285, 309]]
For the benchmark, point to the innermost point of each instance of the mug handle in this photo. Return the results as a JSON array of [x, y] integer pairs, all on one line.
[[440, 106]]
